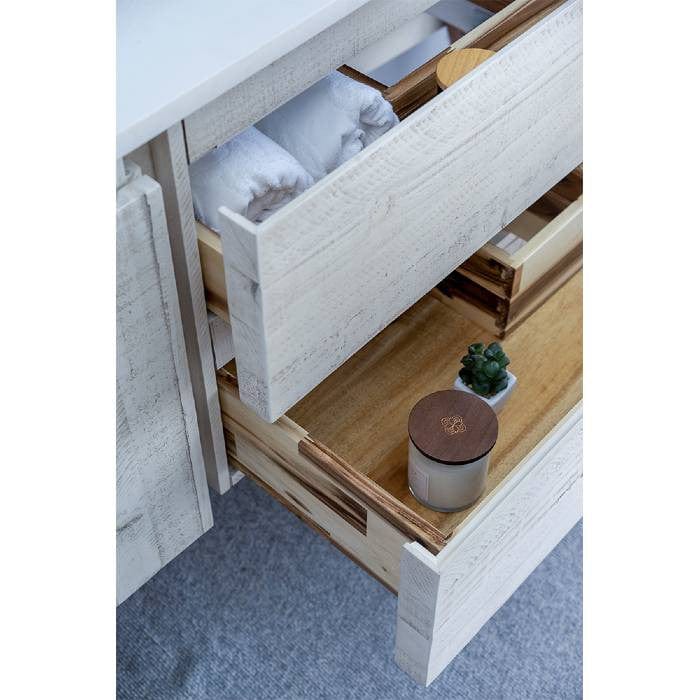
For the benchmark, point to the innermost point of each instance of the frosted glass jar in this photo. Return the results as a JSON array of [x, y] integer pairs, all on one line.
[[451, 434]]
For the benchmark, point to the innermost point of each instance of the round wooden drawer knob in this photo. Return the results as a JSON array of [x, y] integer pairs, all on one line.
[[458, 63]]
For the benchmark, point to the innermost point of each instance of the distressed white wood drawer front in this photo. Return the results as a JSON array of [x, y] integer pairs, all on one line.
[[338, 460], [316, 281]]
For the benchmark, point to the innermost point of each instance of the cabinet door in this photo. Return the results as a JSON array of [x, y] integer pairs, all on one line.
[[162, 498]]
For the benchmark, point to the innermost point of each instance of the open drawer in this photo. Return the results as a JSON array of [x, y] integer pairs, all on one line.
[[322, 276], [338, 460], [521, 267]]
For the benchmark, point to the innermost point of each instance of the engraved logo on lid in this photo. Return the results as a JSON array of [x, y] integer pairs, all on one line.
[[453, 425]]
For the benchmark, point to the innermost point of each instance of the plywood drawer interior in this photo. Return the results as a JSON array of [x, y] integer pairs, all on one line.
[[338, 457], [335, 266]]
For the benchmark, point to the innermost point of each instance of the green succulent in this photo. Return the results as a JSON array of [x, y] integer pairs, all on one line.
[[484, 369]]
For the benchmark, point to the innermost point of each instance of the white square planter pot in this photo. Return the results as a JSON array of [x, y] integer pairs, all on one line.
[[497, 401]]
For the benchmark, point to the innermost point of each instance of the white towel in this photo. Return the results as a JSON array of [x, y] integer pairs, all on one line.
[[329, 123], [250, 174]]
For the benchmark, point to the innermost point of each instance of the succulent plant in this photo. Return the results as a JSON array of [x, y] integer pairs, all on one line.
[[484, 369]]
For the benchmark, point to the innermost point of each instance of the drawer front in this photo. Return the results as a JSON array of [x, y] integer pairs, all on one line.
[[312, 284], [251, 100]]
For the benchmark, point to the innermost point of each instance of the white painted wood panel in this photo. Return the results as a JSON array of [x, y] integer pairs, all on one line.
[[261, 93], [444, 600], [171, 171], [162, 498], [312, 284]]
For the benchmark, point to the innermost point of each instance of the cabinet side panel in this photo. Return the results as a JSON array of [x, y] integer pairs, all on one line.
[[162, 498]]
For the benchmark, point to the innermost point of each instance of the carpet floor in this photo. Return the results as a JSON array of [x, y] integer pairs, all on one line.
[[263, 607]]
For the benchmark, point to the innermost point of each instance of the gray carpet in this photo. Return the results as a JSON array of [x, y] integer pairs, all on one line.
[[263, 607]]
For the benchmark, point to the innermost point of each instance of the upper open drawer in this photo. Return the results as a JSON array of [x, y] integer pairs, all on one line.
[[317, 280]]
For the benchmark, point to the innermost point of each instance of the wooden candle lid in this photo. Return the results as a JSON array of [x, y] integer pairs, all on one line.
[[453, 427], [458, 63]]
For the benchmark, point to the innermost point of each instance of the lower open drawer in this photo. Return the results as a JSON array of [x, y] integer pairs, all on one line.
[[338, 460]]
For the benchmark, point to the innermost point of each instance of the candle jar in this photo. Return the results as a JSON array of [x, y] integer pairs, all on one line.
[[451, 434]]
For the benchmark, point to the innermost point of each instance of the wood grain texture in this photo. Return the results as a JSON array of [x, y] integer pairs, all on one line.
[[360, 413], [552, 243], [416, 89], [170, 166], [361, 78], [270, 453], [162, 498], [499, 290], [456, 64], [561, 195], [421, 85], [445, 600], [211, 255], [281, 487], [492, 5], [427, 434], [252, 99], [505, 25], [318, 279], [386, 506]]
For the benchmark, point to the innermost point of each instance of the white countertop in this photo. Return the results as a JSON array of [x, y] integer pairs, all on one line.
[[173, 56]]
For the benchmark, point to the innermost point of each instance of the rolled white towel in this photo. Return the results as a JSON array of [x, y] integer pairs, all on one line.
[[250, 174], [329, 123]]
